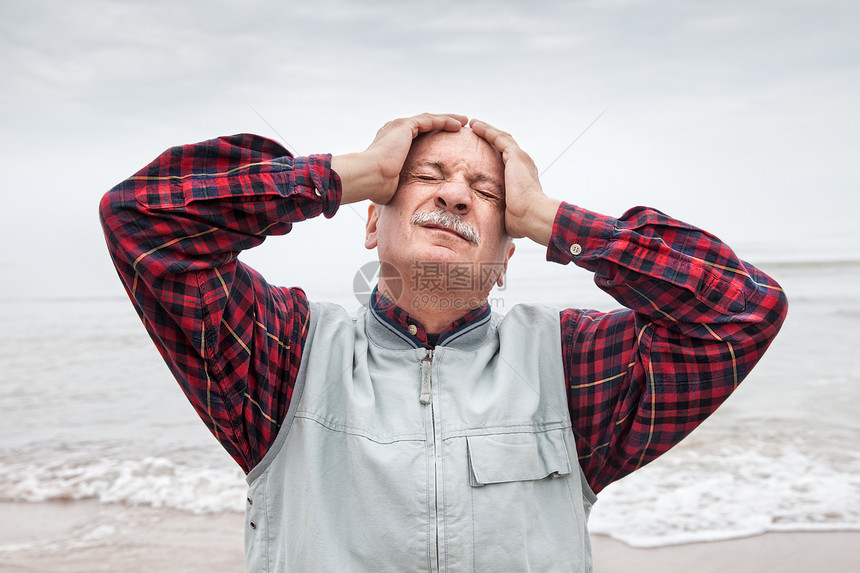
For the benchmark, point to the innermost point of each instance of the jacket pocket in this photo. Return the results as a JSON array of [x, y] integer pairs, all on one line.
[[503, 458], [525, 505]]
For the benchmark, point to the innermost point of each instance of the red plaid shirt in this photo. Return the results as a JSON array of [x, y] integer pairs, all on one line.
[[639, 379]]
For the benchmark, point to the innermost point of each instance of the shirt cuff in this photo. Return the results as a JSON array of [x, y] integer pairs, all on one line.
[[316, 169], [579, 235]]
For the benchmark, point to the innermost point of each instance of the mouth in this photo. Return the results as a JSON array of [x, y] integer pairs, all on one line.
[[445, 230]]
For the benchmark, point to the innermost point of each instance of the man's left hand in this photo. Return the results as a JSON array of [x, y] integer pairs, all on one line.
[[528, 211]]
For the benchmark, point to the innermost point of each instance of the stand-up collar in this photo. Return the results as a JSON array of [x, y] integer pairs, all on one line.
[[393, 327]]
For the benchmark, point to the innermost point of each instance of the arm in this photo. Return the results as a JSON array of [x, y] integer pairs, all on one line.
[[174, 231], [697, 320]]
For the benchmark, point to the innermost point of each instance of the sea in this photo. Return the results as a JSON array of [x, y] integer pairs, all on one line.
[[88, 411]]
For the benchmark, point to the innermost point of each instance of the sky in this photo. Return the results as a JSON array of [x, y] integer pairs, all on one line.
[[741, 117]]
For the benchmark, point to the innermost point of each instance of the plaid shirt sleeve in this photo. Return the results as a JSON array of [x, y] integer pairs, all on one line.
[[697, 319], [174, 231]]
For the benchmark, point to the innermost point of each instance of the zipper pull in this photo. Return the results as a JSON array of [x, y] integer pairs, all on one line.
[[426, 374]]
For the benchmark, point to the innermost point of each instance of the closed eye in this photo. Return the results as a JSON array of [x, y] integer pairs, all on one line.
[[490, 195]]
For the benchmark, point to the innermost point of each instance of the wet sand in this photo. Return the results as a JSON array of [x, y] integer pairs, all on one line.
[[85, 537]]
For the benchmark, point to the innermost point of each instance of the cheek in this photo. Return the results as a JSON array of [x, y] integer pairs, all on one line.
[[496, 228], [393, 228], [495, 245]]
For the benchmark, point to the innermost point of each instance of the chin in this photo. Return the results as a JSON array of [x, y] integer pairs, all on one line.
[[442, 254]]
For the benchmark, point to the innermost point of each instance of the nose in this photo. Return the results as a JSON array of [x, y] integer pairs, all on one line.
[[454, 196]]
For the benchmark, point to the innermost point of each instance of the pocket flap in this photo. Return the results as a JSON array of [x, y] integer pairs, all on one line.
[[501, 458]]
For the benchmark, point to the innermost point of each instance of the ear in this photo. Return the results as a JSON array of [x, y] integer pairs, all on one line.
[[510, 253], [370, 231]]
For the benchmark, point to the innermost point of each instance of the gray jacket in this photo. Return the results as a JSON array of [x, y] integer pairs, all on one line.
[[395, 458]]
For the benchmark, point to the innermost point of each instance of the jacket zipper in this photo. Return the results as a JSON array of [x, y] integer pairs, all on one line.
[[426, 378], [426, 398]]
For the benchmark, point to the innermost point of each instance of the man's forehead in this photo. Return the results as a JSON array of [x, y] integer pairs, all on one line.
[[443, 149], [464, 140]]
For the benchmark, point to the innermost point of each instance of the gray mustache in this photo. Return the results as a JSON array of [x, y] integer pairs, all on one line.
[[448, 220]]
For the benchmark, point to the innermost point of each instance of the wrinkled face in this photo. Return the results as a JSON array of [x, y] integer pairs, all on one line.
[[448, 208]]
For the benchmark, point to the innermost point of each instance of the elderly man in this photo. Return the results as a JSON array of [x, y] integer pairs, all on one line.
[[426, 433]]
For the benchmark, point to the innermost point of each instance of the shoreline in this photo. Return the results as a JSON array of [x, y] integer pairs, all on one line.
[[88, 536], [787, 552], [81, 536]]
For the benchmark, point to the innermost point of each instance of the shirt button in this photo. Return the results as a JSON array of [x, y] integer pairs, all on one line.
[[317, 192], [575, 249], [413, 330]]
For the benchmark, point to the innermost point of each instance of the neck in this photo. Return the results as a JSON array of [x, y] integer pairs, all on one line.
[[435, 309]]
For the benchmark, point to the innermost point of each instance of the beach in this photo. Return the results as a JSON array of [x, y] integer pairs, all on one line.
[[105, 467], [85, 537], [739, 118]]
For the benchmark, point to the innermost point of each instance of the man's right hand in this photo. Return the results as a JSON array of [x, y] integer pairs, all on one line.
[[375, 172]]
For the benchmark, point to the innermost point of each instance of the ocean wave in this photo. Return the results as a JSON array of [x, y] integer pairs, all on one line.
[[154, 481], [724, 492], [721, 483]]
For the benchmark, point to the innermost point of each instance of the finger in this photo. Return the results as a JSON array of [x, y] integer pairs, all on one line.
[[504, 143], [437, 122], [499, 139], [459, 120]]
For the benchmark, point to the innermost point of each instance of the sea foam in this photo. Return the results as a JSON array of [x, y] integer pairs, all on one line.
[[708, 492], [154, 481]]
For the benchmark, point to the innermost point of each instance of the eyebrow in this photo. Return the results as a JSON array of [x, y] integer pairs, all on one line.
[[482, 178], [479, 177], [437, 165]]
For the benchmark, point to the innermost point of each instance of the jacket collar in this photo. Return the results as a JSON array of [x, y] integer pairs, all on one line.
[[392, 327]]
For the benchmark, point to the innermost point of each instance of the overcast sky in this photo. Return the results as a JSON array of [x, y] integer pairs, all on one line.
[[742, 117]]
